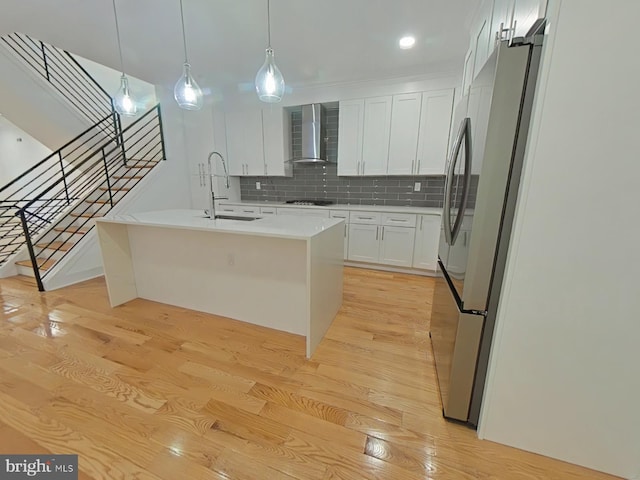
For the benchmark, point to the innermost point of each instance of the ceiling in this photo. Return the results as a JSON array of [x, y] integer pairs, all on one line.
[[316, 41]]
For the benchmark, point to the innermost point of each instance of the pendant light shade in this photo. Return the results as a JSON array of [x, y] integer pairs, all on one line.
[[269, 81], [122, 100], [187, 92], [123, 103]]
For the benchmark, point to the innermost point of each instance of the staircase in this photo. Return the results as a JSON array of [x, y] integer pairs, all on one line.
[[47, 210]]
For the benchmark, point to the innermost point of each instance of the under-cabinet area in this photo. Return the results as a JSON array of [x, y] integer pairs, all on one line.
[[391, 238]]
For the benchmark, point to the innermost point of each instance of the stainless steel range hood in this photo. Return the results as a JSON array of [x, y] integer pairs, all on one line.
[[313, 135]]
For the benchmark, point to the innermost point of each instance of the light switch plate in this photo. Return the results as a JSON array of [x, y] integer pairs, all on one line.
[[258, 187], [416, 186]]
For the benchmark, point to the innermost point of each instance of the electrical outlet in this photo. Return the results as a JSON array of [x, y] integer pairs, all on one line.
[[416, 187], [231, 259], [258, 187]]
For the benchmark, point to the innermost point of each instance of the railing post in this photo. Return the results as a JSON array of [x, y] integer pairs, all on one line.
[[32, 254], [164, 152], [64, 178], [106, 171], [121, 139], [44, 59]]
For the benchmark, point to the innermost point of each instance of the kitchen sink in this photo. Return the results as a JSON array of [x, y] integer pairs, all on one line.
[[234, 217]]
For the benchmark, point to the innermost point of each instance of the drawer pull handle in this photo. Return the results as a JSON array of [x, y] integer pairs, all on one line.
[[365, 218]]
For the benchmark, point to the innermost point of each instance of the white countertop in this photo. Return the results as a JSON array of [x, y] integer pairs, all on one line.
[[342, 206], [285, 226]]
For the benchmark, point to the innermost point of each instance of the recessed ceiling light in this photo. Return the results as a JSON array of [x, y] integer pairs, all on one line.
[[407, 42]]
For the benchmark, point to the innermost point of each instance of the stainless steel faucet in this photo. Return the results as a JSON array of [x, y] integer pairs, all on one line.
[[211, 212]]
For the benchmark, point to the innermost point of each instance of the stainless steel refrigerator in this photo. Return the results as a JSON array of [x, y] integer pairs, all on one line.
[[483, 174]]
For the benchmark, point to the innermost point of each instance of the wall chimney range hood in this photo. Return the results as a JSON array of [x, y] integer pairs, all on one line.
[[313, 135]]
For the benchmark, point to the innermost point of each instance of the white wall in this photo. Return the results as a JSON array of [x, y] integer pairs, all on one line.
[[18, 151], [564, 376], [30, 104], [142, 92]]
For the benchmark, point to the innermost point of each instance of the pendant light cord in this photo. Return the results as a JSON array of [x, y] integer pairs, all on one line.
[[268, 22], [184, 36], [115, 15]]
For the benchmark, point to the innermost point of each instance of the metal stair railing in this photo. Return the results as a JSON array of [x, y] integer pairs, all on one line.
[[44, 217], [63, 72], [58, 166]]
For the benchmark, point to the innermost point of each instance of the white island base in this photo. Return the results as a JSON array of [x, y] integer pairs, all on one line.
[[278, 272]]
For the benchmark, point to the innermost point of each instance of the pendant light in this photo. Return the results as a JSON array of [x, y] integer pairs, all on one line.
[[187, 92], [269, 80], [123, 102]]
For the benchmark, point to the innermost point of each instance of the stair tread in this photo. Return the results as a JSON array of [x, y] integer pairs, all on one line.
[[100, 201], [42, 263], [86, 215], [72, 230], [129, 177], [124, 189], [62, 246]]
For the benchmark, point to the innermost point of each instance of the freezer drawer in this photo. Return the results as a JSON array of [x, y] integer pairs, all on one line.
[[455, 338]]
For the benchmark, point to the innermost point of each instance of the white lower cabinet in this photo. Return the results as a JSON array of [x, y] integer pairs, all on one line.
[[364, 245], [396, 245], [382, 238], [425, 252]]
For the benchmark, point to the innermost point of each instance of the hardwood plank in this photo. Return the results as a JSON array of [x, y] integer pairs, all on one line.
[[147, 390]]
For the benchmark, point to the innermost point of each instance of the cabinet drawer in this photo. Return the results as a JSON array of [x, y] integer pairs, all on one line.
[[398, 219], [340, 214], [252, 210], [364, 218], [228, 209], [267, 210]]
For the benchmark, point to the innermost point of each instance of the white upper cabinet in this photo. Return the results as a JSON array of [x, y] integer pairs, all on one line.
[[501, 22], [405, 128], [258, 142], [481, 38], [467, 73], [435, 123], [276, 132], [244, 143], [525, 13], [350, 134], [375, 144]]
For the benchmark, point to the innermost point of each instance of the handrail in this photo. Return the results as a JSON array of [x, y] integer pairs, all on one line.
[[63, 72], [53, 154], [91, 177]]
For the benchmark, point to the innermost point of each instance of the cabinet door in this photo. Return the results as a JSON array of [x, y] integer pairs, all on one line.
[[244, 143], [276, 130], [199, 192], [403, 141], [458, 254], [363, 243], [481, 36], [501, 22], [375, 143], [435, 124], [350, 131], [425, 251], [525, 13], [396, 245]]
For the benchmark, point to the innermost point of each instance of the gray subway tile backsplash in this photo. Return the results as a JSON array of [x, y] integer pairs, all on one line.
[[321, 181]]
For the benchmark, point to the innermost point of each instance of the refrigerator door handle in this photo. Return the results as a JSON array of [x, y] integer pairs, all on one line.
[[464, 133]]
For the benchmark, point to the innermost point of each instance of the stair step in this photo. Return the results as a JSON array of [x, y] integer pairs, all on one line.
[[61, 246], [142, 164], [117, 189], [86, 215], [43, 264], [129, 177], [100, 202], [72, 230]]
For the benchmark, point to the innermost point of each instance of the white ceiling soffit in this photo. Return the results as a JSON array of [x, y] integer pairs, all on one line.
[[315, 41]]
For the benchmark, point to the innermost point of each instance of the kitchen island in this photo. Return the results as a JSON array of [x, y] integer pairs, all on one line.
[[281, 272]]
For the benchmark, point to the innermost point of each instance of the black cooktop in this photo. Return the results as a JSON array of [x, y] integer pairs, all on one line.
[[318, 203]]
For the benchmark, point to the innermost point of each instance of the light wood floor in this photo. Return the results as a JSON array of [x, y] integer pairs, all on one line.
[[152, 391]]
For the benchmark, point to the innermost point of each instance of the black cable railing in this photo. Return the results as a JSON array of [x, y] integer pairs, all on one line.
[[65, 207], [63, 72]]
